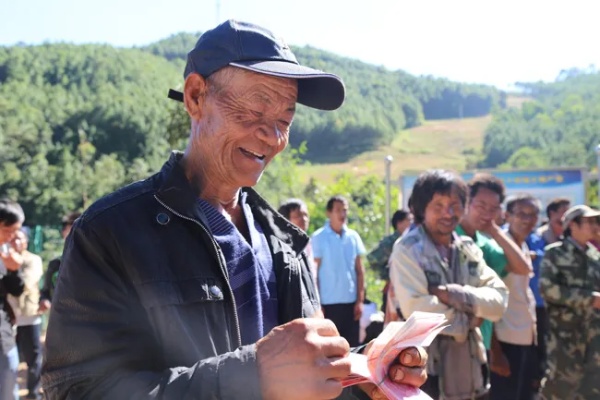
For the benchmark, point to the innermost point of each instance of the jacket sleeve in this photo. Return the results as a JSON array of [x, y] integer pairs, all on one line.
[[490, 297], [410, 287], [555, 292], [100, 344]]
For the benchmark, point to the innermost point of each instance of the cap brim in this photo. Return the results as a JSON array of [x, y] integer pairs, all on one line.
[[591, 213], [316, 89]]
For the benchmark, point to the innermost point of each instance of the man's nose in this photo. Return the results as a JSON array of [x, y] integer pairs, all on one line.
[[270, 133], [448, 212]]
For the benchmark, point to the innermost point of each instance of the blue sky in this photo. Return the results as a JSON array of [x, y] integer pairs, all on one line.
[[486, 41]]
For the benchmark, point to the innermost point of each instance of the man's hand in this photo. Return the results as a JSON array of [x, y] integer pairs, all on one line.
[[358, 310], [490, 228], [499, 364], [11, 259], [44, 306], [409, 369], [441, 293], [303, 359]]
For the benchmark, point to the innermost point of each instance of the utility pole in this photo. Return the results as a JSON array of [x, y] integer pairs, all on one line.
[[388, 182], [598, 171]]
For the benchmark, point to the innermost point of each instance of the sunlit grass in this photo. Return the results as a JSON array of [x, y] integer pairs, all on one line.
[[435, 144]]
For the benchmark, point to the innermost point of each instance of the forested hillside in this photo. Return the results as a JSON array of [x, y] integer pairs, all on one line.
[[561, 127], [77, 121]]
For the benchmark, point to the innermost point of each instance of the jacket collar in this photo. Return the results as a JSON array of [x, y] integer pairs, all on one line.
[[274, 223], [174, 189]]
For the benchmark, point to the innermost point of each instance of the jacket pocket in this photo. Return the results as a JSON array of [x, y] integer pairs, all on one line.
[[178, 292], [183, 314]]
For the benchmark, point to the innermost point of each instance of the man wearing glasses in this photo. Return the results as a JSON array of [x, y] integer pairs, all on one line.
[[486, 194]]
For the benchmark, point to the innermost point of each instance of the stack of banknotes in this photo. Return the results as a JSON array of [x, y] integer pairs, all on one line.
[[418, 330]]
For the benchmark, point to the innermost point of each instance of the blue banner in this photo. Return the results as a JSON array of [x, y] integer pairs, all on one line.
[[543, 184]]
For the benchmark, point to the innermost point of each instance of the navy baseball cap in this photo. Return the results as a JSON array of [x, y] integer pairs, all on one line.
[[256, 49]]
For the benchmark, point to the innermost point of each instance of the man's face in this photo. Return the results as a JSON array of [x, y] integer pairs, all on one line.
[[66, 229], [19, 242], [402, 226], [8, 233], [483, 209], [522, 219], [555, 216], [244, 124], [443, 213], [338, 215], [300, 218]]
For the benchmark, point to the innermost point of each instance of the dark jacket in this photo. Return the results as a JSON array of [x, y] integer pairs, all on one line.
[[143, 306]]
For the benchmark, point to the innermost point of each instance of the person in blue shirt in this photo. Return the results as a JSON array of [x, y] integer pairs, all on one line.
[[337, 250], [536, 246]]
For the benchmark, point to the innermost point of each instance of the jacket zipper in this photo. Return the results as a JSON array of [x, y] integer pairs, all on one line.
[[219, 256]]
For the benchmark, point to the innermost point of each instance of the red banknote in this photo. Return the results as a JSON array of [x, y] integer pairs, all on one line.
[[418, 330]]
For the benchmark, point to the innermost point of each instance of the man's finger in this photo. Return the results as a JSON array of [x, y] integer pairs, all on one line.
[[413, 357], [336, 368], [408, 376], [502, 371]]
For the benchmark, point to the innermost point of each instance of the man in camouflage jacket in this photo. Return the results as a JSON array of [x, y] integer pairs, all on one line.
[[570, 285]]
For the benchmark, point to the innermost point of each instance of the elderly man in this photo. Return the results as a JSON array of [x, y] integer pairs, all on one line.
[[188, 284]]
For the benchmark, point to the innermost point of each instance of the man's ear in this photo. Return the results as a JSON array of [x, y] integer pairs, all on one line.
[[194, 94]]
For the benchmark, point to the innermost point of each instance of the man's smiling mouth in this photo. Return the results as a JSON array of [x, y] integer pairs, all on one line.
[[252, 154]]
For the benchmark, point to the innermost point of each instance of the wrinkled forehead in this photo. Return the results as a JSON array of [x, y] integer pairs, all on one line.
[[262, 87]]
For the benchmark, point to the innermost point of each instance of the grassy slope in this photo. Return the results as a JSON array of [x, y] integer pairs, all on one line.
[[435, 144]]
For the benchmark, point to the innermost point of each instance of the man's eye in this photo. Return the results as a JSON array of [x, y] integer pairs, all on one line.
[[257, 114], [284, 123]]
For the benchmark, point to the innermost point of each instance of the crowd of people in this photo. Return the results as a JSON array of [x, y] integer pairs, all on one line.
[[26, 294], [188, 284], [521, 299]]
